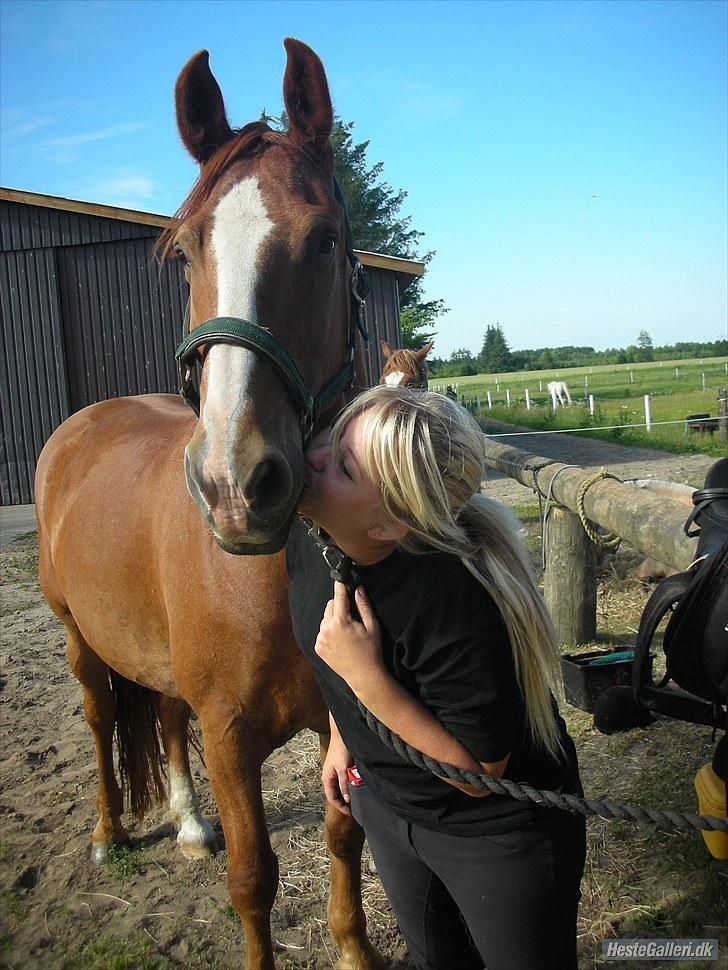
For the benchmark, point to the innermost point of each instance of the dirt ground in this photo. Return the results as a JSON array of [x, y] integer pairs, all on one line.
[[149, 907]]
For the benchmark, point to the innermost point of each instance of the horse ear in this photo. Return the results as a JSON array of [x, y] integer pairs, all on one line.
[[424, 351], [306, 96], [201, 119], [386, 350]]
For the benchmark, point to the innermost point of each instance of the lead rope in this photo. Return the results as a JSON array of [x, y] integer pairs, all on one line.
[[343, 570]]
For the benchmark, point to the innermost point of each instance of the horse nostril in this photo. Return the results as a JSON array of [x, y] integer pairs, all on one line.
[[268, 487]]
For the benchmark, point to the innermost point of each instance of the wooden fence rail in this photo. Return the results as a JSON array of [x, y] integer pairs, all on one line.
[[652, 525]]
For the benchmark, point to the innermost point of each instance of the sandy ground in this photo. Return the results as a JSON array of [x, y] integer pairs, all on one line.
[[15, 520], [151, 906]]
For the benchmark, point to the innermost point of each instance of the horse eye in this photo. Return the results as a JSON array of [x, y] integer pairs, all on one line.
[[180, 254], [327, 246]]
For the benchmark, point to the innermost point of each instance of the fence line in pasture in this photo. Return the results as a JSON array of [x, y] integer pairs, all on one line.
[[694, 422], [588, 427], [652, 525]]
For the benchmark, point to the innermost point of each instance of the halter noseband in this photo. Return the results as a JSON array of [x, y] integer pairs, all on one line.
[[245, 333]]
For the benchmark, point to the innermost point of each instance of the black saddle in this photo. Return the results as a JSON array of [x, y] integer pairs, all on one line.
[[695, 685]]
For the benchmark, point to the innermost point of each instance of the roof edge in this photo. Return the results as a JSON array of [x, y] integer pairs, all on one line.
[[409, 268]]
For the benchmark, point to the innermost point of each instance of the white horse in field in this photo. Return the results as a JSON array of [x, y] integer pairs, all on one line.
[[559, 393]]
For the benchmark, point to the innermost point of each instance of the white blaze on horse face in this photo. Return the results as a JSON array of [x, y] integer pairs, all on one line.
[[240, 227], [394, 379]]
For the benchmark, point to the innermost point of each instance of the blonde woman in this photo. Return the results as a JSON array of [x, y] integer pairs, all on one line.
[[453, 650]]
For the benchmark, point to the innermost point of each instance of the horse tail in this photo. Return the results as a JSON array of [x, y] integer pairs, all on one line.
[[137, 738]]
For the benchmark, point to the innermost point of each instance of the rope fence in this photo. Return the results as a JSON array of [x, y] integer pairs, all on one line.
[[603, 427]]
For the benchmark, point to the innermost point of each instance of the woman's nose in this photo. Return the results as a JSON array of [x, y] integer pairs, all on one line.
[[320, 439], [318, 452], [318, 458]]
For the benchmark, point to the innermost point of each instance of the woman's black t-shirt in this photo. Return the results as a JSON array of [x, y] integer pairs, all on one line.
[[444, 640]]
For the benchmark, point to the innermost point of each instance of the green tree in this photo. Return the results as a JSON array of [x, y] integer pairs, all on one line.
[[378, 225], [645, 350], [495, 357], [546, 360]]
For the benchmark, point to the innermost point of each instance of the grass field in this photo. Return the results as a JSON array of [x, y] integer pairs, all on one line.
[[677, 388]]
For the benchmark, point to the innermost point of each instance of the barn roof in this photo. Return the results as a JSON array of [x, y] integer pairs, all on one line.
[[405, 269]]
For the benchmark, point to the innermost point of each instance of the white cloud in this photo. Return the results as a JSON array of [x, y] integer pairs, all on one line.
[[140, 186], [126, 189], [25, 127], [113, 131]]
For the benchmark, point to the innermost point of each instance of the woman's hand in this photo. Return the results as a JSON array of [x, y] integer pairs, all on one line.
[[352, 649], [333, 774]]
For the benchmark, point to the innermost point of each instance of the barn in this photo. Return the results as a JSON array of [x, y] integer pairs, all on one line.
[[88, 314]]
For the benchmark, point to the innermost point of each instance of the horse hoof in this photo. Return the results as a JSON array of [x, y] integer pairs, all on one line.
[[195, 852], [198, 840], [360, 958], [100, 852]]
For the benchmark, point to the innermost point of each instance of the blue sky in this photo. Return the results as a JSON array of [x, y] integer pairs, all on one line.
[[566, 160]]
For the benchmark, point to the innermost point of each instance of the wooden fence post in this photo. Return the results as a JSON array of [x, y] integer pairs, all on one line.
[[570, 585], [723, 413]]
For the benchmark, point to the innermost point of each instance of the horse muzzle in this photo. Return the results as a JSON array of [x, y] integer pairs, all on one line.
[[249, 510]]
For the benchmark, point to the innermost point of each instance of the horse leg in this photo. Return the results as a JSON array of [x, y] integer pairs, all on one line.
[[347, 922], [99, 709], [234, 752], [195, 836]]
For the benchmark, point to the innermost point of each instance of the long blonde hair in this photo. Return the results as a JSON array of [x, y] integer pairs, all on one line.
[[425, 454]]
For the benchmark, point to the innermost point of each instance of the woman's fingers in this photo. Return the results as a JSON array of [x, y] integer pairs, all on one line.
[[365, 610], [333, 791], [344, 784], [342, 610]]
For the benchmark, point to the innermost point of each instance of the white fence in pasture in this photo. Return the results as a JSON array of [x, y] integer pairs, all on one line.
[[701, 423]]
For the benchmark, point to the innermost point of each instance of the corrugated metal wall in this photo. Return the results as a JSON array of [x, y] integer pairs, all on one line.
[[122, 318], [382, 317], [33, 385], [86, 315]]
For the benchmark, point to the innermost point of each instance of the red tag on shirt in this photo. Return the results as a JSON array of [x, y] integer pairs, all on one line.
[[355, 779]]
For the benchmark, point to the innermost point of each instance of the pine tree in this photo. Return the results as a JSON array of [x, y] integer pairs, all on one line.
[[645, 350], [495, 357]]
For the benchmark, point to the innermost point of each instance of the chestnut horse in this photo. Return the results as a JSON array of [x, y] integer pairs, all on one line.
[[406, 368], [134, 560]]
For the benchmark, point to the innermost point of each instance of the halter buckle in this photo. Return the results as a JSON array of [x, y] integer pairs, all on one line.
[[338, 562], [308, 421]]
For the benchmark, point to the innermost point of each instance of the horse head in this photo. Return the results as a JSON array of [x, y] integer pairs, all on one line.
[[263, 238], [406, 368]]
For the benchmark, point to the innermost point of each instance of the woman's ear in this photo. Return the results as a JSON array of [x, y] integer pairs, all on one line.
[[392, 532]]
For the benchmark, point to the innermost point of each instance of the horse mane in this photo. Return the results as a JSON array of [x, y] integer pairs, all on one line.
[[247, 142], [401, 359]]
